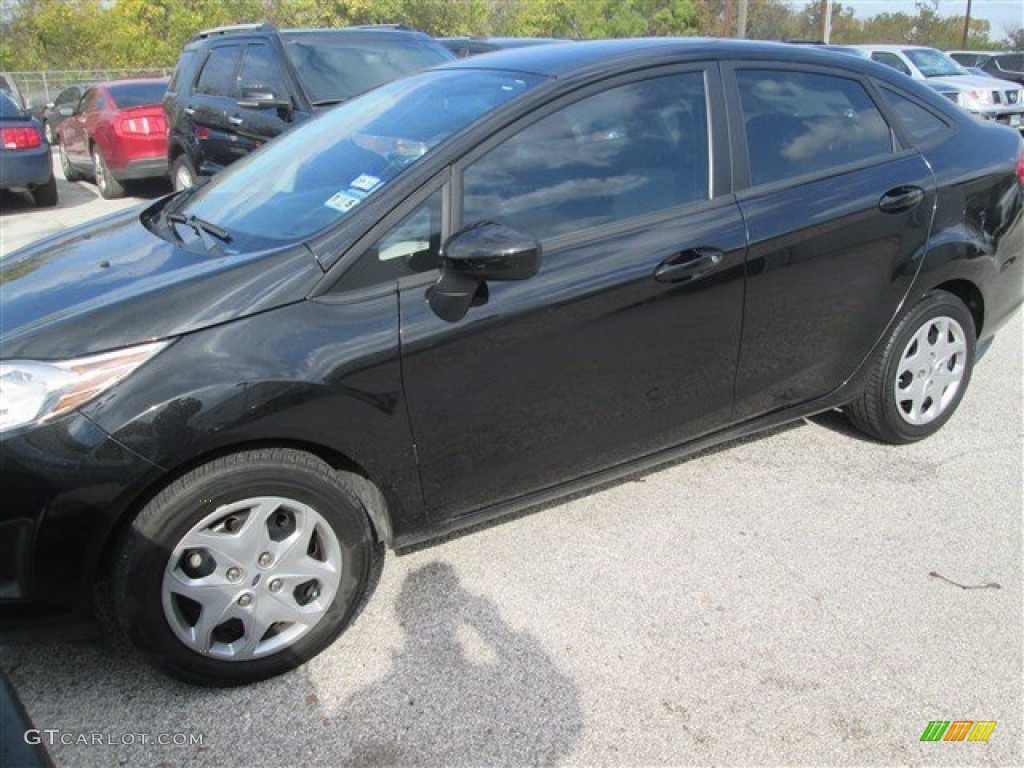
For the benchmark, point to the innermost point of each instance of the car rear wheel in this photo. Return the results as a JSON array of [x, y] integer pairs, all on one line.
[[183, 175], [920, 375], [65, 165], [45, 196], [245, 567], [109, 187]]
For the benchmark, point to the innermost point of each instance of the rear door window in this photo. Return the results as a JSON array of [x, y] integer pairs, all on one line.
[[218, 75], [807, 123], [917, 121]]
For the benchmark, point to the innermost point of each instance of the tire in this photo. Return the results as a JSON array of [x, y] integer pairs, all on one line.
[[45, 196], [109, 187], [918, 378], [232, 523], [65, 165], [183, 175]]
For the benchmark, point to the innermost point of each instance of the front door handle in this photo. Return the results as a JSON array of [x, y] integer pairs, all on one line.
[[189, 111], [900, 199], [234, 120], [688, 265]]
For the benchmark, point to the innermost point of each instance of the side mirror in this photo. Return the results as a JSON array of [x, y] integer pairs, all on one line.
[[483, 251]]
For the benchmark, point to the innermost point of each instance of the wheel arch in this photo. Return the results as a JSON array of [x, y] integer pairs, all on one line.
[[971, 296], [373, 500]]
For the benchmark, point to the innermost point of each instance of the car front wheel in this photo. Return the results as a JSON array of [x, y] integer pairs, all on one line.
[[244, 568], [919, 376]]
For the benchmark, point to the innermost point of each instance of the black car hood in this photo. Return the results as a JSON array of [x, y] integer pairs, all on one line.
[[112, 283]]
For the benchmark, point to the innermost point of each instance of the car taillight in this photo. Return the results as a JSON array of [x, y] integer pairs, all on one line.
[[1020, 168], [20, 138], [141, 126]]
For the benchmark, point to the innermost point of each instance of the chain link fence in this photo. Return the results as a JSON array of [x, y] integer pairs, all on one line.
[[40, 88]]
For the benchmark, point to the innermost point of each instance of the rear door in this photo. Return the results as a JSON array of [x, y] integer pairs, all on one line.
[[211, 99], [838, 216], [626, 341]]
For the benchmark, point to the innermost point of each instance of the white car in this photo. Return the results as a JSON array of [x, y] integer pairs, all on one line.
[[982, 96]]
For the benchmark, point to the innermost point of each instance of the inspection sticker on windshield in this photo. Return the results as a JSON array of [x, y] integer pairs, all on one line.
[[365, 182], [343, 201]]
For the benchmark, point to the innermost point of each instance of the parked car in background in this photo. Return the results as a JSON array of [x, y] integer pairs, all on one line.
[[471, 290], [464, 47], [981, 96], [25, 161], [62, 107], [116, 134], [1002, 64], [235, 88]]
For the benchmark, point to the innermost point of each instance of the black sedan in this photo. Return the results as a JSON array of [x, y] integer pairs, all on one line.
[[25, 161], [472, 290]]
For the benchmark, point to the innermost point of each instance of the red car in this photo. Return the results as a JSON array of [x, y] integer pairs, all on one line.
[[116, 134]]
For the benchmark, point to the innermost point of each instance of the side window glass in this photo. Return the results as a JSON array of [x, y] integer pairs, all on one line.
[[183, 63], [628, 151], [260, 73], [218, 76], [800, 123], [891, 60], [411, 246], [917, 121]]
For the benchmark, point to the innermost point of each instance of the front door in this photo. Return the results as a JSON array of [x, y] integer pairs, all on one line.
[[626, 341]]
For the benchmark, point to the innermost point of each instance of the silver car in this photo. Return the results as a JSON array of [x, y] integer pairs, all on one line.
[[985, 97]]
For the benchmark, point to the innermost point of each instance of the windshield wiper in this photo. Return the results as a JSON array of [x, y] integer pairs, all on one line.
[[202, 228]]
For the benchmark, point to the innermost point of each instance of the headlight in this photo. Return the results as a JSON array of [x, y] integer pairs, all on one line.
[[975, 99], [31, 390]]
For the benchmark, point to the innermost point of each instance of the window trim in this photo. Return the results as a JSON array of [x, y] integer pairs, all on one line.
[[718, 158], [742, 177]]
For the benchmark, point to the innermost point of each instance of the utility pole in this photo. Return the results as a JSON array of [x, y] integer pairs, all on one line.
[[826, 20], [967, 25], [741, 22], [727, 21]]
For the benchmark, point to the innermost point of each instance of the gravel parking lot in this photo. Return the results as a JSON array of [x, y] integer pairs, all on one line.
[[792, 599]]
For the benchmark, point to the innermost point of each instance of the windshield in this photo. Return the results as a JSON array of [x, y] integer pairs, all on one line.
[[334, 69], [130, 95], [314, 175], [934, 63]]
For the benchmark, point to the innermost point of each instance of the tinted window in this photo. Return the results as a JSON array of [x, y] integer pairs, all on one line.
[[184, 63], [916, 121], [260, 73], [7, 107], [412, 246], [218, 76], [338, 68], [68, 96], [137, 94], [1011, 62], [628, 151], [800, 123], [891, 60], [316, 173]]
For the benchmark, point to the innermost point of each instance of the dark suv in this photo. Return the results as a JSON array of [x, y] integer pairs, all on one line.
[[234, 88]]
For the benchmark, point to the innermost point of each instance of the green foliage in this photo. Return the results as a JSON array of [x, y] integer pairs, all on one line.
[[92, 34]]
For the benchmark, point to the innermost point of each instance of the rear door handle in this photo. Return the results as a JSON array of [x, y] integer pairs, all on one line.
[[688, 265], [900, 199], [235, 120]]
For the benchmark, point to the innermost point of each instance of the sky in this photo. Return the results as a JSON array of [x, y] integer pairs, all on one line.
[[1003, 15]]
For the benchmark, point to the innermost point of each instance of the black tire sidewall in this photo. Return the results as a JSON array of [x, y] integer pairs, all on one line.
[[933, 305], [159, 528]]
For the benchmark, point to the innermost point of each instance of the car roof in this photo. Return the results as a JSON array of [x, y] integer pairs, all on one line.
[[249, 31], [561, 59], [891, 47], [131, 81]]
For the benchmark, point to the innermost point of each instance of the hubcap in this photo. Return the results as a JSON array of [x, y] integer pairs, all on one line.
[[251, 578], [182, 179], [930, 371]]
